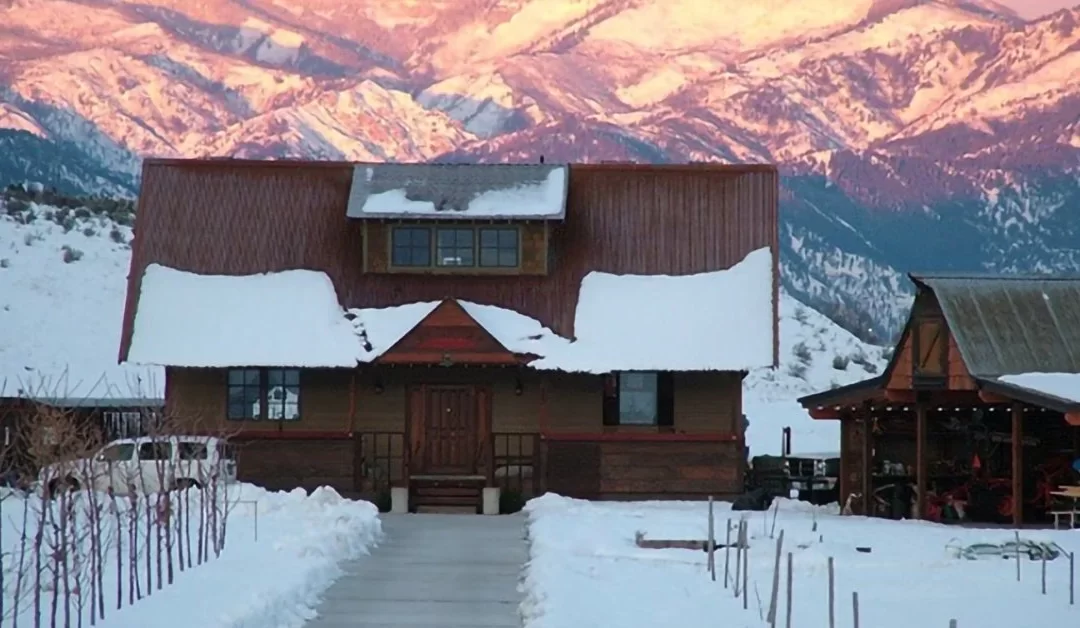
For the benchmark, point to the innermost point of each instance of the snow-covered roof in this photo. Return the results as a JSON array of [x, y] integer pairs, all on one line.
[[291, 318], [461, 191], [712, 321], [1064, 386]]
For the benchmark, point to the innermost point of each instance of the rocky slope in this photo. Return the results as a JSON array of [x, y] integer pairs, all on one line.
[[914, 134]]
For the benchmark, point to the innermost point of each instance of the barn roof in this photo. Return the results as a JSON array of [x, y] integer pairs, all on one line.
[[1008, 325], [245, 217], [458, 191]]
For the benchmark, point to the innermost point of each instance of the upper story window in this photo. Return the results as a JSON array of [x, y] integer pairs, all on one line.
[[455, 247], [411, 246]]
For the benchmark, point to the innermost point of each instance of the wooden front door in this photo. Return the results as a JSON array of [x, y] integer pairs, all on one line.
[[450, 430]]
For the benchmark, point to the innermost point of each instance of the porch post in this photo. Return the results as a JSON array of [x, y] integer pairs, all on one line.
[[867, 459], [920, 459], [1017, 463]]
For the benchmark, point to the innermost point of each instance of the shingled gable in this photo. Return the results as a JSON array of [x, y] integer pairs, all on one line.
[[459, 191], [449, 335]]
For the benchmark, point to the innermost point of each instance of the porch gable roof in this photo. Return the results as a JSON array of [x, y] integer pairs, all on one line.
[[448, 334]]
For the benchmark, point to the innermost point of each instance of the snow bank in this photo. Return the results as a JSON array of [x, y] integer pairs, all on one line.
[[291, 318], [275, 580], [584, 569], [61, 308], [1061, 385]]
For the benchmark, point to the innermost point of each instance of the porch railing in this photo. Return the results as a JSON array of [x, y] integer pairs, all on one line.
[[383, 459], [515, 462]]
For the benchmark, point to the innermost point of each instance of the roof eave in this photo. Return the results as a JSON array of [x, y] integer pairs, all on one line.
[[857, 391], [1027, 395]]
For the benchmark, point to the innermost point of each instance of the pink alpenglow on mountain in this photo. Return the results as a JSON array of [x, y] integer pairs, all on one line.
[[1031, 9]]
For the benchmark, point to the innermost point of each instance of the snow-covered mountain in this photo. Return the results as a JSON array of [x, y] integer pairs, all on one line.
[[63, 269], [914, 134]]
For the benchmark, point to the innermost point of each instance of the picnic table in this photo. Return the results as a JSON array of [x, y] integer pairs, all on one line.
[[1071, 493]]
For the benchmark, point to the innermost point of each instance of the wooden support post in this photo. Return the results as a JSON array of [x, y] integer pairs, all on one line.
[[920, 459], [867, 460], [1017, 463]]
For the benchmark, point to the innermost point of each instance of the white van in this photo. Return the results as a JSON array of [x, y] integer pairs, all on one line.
[[146, 465]]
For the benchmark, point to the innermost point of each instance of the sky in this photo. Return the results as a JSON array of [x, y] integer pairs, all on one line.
[[1035, 8]]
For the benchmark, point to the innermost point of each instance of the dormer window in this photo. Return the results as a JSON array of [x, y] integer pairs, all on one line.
[[411, 247], [455, 247]]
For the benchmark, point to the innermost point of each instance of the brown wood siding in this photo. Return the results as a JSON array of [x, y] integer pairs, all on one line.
[[900, 378], [197, 400], [704, 402], [286, 215], [628, 469], [708, 402], [287, 464]]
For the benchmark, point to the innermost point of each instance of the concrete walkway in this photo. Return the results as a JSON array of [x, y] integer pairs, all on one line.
[[450, 571]]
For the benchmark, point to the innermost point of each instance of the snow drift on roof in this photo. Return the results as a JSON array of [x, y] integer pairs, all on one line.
[[464, 191], [1064, 386], [291, 318], [714, 321], [380, 329]]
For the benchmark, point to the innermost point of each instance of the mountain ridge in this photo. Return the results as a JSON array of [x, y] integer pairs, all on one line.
[[911, 133]]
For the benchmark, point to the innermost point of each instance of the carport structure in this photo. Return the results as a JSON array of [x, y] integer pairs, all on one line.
[[980, 398]]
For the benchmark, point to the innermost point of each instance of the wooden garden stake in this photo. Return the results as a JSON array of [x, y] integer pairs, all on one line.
[[727, 552], [790, 573], [855, 607], [832, 595], [1018, 556], [712, 542], [745, 577], [775, 580]]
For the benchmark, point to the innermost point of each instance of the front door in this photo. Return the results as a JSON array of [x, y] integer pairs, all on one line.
[[450, 430]]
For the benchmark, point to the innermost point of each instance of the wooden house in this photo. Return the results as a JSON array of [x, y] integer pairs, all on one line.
[[979, 406], [442, 328]]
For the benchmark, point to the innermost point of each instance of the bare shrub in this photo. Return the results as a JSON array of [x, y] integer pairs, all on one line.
[[103, 524], [802, 352], [797, 370], [840, 362]]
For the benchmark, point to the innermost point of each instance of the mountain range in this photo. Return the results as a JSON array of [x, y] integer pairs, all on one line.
[[912, 134]]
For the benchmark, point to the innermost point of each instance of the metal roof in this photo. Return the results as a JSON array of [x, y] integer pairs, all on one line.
[[450, 187], [1013, 324]]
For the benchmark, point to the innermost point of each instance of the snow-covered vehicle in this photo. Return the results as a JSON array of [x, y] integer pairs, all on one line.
[[145, 465]]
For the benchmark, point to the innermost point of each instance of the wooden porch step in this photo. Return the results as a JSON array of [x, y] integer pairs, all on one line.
[[460, 493]]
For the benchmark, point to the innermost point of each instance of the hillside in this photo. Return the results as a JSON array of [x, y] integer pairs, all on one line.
[[913, 134], [63, 272]]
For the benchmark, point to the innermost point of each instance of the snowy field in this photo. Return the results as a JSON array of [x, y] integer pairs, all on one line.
[[585, 570], [272, 581]]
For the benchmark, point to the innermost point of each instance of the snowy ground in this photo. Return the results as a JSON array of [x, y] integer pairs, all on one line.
[[274, 580], [585, 570]]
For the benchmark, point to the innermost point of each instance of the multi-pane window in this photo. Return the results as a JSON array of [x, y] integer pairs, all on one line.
[[283, 394], [499, 248], [455, 247], [270, 394], [410, 246]]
